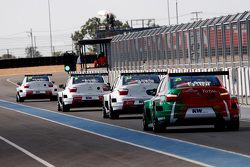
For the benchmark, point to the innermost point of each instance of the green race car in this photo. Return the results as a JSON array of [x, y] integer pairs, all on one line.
[[196, 98]]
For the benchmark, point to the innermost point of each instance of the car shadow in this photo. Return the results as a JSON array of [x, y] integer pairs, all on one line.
[[203, 130], [191, 130], [129, 117], [86, 110], [39, 101]]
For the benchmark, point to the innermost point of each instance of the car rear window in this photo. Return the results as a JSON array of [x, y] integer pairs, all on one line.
[[189, 81], [140, 79], [87, 79], [37, 78]]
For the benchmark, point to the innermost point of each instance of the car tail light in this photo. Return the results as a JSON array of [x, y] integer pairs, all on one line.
[[225, 95], [26, 86], [171, 97], [72, 90], [123, 92], [50, 85], [100, 98]]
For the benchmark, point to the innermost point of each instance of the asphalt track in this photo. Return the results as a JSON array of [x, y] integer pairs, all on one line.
[[28, 139]]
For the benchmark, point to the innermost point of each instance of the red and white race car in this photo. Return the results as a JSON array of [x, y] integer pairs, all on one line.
[[37, 86]]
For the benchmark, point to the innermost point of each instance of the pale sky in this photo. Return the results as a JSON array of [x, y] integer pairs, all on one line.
[[19, 16]]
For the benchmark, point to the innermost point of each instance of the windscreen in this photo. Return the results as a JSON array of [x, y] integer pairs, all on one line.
[[140, 79], [37, 78], [190, 81], [87, 79]]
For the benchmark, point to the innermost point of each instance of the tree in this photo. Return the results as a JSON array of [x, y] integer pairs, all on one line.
[[8, 56], [90, 28], [31, 52], [58, 53]]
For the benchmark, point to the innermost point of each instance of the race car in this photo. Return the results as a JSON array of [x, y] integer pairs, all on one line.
[[196, 98], [37, 86], [128, 94], [82, 90]]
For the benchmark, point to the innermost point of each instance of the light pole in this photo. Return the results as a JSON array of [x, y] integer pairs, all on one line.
[[168, 14], [176, 6], [51, 46], [31, 39]]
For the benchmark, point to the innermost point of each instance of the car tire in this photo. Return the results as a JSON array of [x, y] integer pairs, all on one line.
[[65, 108], [113, 114], [104, 113], [234, 125], [144, 123], [19, 99], [158, 128], [59, 106]]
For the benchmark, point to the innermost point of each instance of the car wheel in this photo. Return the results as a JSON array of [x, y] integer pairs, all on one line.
[[65, 108], [234, 125], [144, 122], [19, 99], [158, 128], [113, 114], [59, 106], [104, 113]]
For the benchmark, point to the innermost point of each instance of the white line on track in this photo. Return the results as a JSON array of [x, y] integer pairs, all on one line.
[[27, 152], [8, 80]]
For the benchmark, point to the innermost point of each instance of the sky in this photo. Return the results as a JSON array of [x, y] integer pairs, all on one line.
[[18, 17]]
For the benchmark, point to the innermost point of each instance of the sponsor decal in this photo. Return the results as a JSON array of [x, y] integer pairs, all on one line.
[[199, 83], [208, 91]]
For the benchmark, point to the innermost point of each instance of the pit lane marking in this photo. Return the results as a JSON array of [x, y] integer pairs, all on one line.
[[27, 152]]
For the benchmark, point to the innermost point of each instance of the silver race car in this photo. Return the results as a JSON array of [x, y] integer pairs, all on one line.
[[82, 90], [128, 94], [37, 86]]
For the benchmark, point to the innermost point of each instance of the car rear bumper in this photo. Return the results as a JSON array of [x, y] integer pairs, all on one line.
[[32, 95], [82, 103], [193, 121]]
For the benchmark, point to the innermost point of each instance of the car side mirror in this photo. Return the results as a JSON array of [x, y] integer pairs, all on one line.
[[19, 83], [151, 92], [62, 86]]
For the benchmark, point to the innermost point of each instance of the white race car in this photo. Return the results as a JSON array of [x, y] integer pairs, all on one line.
[[36, 87], [82, 90], [129, 92]]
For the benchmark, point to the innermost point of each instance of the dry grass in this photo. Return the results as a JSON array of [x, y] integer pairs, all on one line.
[[35, 70], [31, 70]]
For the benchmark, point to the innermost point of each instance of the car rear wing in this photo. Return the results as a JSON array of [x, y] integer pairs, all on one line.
[[143, 73], [31, 75], [76, 73], [199, 73]]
